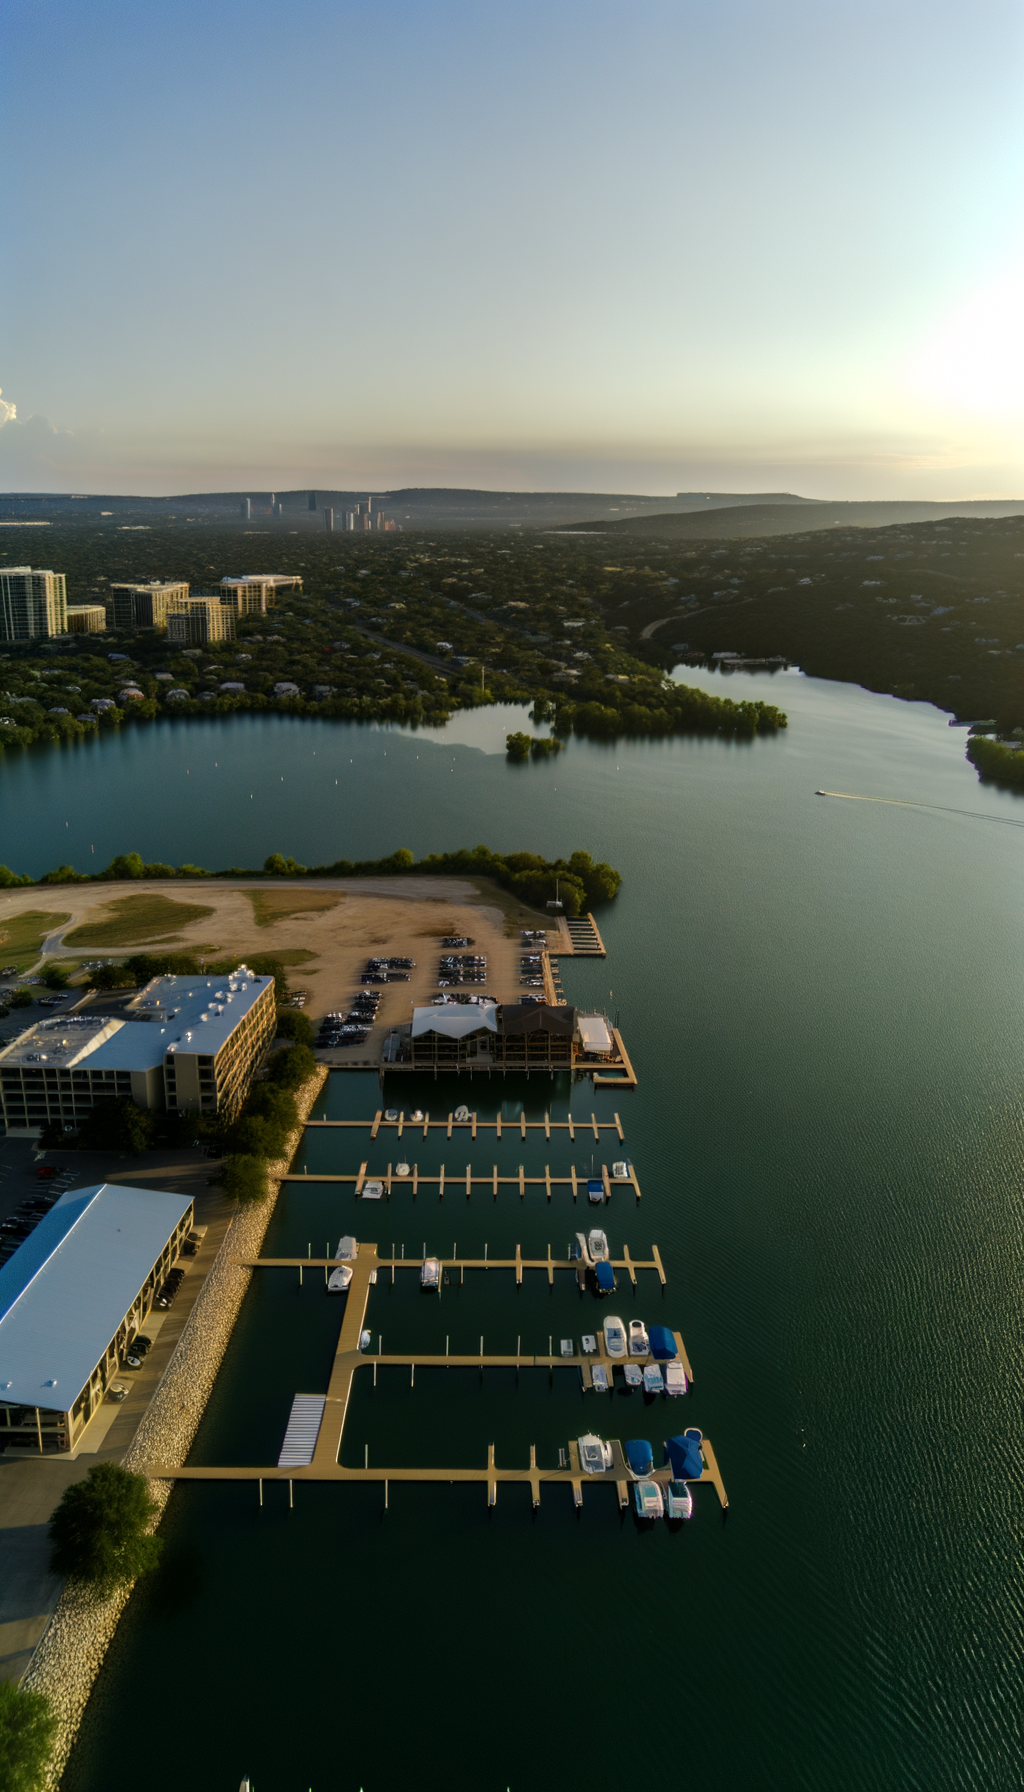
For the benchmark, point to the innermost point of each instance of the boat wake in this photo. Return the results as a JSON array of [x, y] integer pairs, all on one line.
[[898, 802]]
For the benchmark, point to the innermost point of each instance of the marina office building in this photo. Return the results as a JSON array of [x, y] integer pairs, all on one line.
[[72, 1297], [32, 604], [509, 1036], [188, 1044]]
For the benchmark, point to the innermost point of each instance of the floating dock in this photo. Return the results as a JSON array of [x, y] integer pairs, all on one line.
[[457, 1181], [474, 1125]]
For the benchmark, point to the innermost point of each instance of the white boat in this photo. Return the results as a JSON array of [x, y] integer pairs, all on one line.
[[589, 1343], [567, 1347], [599, 1379], [620, 1170], [347, 1249], [675, 1378], [430, 1273], [401, 1169], [391, 1113], [649, 1501], [678, 1500], [461, 1113], [364, 1340], [614, 1336], [653, 1381], [595, 1454], [417, 1116], [581, 1239], [634, 1375], [339, 1279], [373, 1191], [639, 1342], [597, 1245]]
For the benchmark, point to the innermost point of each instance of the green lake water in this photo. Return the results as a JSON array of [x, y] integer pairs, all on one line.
[[823, 1002]]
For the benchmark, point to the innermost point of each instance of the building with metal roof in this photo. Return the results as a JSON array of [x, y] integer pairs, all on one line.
[[72, 1297]]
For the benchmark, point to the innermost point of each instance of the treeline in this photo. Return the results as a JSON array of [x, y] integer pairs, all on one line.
[[681, 709], [576, 881], [996, 763]]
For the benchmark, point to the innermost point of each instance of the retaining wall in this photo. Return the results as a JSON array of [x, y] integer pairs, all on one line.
[[70, 1653]]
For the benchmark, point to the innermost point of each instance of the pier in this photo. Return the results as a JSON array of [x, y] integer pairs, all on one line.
[[474, 1125], [324, 1464], [455, 1181]]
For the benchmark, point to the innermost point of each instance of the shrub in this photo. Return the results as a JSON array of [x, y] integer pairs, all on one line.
[[293, 1024], [56, 977], [21, 998], [517, 746], [244, 1179], [99, 1531], [292, 1067], [116, 1124], [27, 1727], [112, 976]]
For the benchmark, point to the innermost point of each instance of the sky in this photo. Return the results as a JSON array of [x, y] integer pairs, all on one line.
[[536, 245]]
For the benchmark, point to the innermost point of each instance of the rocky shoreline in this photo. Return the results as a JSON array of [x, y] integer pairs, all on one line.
[[70, 1653]]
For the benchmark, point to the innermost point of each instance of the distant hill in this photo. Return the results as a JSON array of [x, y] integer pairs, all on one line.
[[729, 522]]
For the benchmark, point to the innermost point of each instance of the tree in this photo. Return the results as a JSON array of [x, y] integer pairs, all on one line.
[[244, 1179], [21, 998], [292, 1067], [293, 1024], [56, 977], [517, 746], [27, 1729], [116, 1124], [278, 866], [112, 976], [100, 1530]]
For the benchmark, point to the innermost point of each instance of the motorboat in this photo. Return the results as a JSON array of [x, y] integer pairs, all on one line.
[[620, 1170], [678, 1500], [339, 1279], [683, 1455], [347, 1249], [604, 1276], [675, 1378], [461, 1113], [401, 1169], [391, 1113], [648, 1500], [417, 1116], [663, 1344], [639, 1342], [614, 1336], [597, 1245], [634, 1375], [639, 1458], [599, 1379], [589, 1343], [654, 1382], [566, 1347], [595, 1454], [430, 1273], [595, 1189], [373, 1191], [364, 1340], [584, 1247]]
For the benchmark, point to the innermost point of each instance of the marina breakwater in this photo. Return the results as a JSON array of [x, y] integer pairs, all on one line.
[[71, 1651]]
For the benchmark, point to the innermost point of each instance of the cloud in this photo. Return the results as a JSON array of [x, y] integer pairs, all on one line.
[[8, 412]]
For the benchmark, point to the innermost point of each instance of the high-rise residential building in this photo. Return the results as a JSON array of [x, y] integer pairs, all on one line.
[[312, 500], [278, 509], [350, 520], [254, 593], [86, 619], [246, 509], [143, 606], [196, 621], [329, 520], [32, 604]]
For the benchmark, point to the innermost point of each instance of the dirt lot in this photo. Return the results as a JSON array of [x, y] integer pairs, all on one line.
[[338, 922]]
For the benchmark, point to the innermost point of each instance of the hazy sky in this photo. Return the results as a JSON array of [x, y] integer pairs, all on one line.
[[572, 244]]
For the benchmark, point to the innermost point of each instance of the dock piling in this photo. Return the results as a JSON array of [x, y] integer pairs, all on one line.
[[261, 1490], [291, 1494]]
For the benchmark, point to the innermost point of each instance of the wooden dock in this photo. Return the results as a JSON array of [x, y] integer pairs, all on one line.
[[348, 1359], [459, 1180], [474, 1125], [519, 1263]]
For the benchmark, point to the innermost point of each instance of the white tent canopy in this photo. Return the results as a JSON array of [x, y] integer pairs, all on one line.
[[594, 1033], [454, 1021]]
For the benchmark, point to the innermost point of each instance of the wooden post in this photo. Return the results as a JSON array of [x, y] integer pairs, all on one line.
[[607, 1184], [449, 1126], [547, 1126], [261, 1490], [377, 1118], [495, 1182], [385, 1494], [522, 1185], [522, 1124], [593, 1122], [401, 1121], [618, 1124], [366, 1455], [474, 1123], [498, 1124], [426, 1122], [572, 1129], [547, 1180], [519, 1266], [572, 1175], [440, 1190], [291, 1493], [415, 1179], [469, 1173], [39, 1431]]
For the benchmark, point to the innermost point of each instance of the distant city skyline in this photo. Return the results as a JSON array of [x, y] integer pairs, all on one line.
[[563, 247]]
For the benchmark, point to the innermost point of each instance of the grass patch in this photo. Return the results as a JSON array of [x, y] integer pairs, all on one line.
[[269, 906], [133, 919], [21, 936], [295, 955]]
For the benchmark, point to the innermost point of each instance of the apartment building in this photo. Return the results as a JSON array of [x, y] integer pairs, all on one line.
[[188, 1044], [254, 594], [143, 606], [196, 621], [33, 604], [86, 619]]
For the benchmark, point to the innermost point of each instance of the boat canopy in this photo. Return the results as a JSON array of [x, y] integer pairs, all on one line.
[[595, 1186], [605, 1277], [594, 1033], [639, 1456], [456, 1022], [684, 1455], [663, 1345]]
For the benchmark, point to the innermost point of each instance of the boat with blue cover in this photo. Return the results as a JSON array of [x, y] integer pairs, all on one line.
[[595, 1189], [683, 1455], [663, 1344], [604, 1276], [639, 1457]]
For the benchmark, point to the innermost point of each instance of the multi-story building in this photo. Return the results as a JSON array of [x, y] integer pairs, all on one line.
[[32, 604], [185, 1043], [143, 606], [255, 593], [196, 621], [86, 619]]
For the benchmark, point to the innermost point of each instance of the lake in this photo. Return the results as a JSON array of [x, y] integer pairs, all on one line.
[[823, 1002]]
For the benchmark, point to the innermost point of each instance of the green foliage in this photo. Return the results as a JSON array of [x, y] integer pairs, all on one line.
[[99, 1531], [293, 1024], [116, 1124], [55, 977], [545, 748], [292, 1067], [112, 976], [997, 764], [517, 746], [65, 874], [244, 1179], [9, 880], [144, 965], [278, 866], [27, 1730], [20, 998]]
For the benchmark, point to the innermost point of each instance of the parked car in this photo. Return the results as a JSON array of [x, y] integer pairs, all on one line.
[[116, 1392]]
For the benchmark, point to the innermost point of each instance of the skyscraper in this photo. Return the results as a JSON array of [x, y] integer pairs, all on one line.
[[32, 604], [312, 500], [329, 520], [246, 509]]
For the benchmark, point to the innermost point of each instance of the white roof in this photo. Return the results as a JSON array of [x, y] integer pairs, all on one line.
[[594, 1032], [189, 1014], [454, 1021], [67, 1288]]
